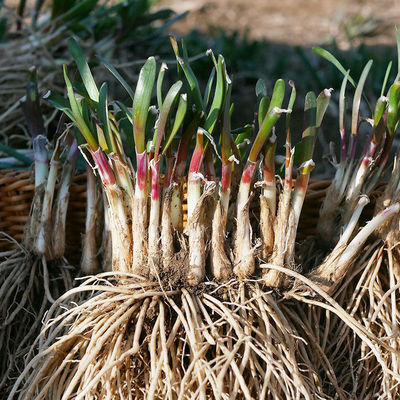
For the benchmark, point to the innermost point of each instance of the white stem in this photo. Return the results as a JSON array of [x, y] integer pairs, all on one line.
[[281, 228], [89, 262], [154, 228], [106, 244], [193, 193], [154, 220], [287, 194], [196, 230], [244, 258], [357, 182], [224, 198], [330, 207], [140, 233], [346, 178], [269, 192], [41, 159], [61, 209], [196, 254], [41, 172], [124, 179], [176, 208], [243, 196], [348, 231], [365, 232], [120, 229], [220, 264], [167, 233], [298, 200], [338, 185], [65, 184], [42, 240], [338, 178]]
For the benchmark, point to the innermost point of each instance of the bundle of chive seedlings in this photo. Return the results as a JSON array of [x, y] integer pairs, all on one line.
[[355, 179], [188, 312], [361, 278], [36, 273]]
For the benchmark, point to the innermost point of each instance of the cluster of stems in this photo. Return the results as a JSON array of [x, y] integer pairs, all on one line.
[[146, 154], [357, 175], [45, 232], [279, 219], [355, 179]]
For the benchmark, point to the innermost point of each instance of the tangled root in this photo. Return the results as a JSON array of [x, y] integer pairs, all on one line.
[[357, 328], [373, 298], [135, 341], [28, 285]]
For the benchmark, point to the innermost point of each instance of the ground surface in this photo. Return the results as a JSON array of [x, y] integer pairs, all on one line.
[[300, 22]]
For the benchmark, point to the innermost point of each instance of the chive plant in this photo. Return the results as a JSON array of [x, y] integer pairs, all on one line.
[[358, 176], [37, 272], [244, 251], [220, 264], [279, 223], [137, 248]]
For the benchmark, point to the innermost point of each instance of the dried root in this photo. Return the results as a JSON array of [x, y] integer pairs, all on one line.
[[357, 327], [138, 341], [373, 298], [28, 287]]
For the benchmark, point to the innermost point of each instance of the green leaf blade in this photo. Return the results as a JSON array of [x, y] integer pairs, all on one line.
[[165, 110], [84, 70], [118, 76], [141, 102], [77, 113]]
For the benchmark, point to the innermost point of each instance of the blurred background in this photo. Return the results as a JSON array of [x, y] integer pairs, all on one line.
[[259, 39], [295, 22]]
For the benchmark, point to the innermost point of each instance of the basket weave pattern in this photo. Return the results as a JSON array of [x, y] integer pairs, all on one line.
[[16, 194]]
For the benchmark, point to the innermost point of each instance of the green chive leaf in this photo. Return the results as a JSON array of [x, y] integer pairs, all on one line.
[[141, 102], [84, 70], [119, 77]]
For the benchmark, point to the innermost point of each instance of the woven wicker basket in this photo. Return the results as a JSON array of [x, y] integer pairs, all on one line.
[[16, 193]]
